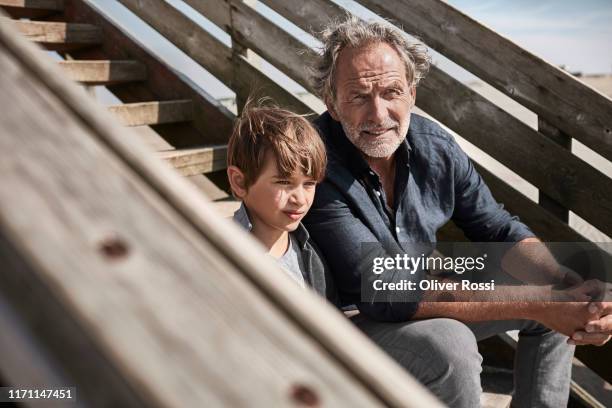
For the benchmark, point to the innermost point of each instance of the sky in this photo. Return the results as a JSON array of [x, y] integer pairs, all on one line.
[[562, 32], [574, 33]]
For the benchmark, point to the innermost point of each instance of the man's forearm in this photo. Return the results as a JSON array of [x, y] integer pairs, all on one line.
[[504, 303], [478, 311]]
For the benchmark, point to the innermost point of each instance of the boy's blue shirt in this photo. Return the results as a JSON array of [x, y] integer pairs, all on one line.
[[316, 273]]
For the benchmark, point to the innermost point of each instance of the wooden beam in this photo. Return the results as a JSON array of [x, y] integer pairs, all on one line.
[[104, 72], [31, 8], [212, 54], [34, 4], [194, 161], [58, 36], [550, 204], [172, 299], [250, 29], [153, 113], [574, 107]]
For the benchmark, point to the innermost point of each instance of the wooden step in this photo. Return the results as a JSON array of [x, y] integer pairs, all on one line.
[[59, 36], [153, 113], [194, 161], [31, 8], [494, 400], [104, 72]]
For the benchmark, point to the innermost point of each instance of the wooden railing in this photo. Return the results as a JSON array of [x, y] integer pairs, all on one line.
[[566, 108]]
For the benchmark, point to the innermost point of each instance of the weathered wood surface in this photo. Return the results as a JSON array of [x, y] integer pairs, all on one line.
[[153, 113], [31, 8], [233, 70], [554, 170], [196, 160], [565, 141], [59, 36], [212, 123], [574, 107], [164, 301], [34, 4], [103, 72], [250, 29]]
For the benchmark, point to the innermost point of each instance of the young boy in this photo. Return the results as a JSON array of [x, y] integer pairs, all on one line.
[[275, 160]]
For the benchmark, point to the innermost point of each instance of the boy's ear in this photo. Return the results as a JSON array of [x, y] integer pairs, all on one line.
[[237, 181]]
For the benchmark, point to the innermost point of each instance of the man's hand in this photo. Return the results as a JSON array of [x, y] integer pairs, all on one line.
[[598, 330], [565, 317]]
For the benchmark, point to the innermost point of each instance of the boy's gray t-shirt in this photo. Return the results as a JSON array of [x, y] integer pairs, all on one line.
[[292, 262]]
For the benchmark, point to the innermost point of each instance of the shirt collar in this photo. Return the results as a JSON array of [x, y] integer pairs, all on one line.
[[241, 216]]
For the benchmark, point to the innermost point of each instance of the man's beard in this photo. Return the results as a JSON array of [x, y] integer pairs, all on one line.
[[372, 145]]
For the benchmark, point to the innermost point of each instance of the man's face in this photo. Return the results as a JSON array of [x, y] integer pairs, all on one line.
[[373, 98], [276, 202]]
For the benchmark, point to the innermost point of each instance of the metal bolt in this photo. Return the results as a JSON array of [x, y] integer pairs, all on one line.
[[304, 396], [113, 247]]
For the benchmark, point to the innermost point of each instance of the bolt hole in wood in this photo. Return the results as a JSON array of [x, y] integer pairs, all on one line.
[[113, 248], [304, 396]]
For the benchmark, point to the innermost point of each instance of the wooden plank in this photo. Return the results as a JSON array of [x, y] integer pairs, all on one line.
[[104, 72], [202, 47], [31, 8], [565, 141], [229, 314], [59, 36], [250, 29], [34, 4], [218, 13], [551, 168], [574, 107], [194, 161], [153, 113], [311, 16], [212, 122]]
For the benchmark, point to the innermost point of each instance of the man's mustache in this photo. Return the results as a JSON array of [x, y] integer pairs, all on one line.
[[369, 126]]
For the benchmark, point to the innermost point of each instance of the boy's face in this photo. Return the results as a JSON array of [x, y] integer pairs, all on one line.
[[278, 202]]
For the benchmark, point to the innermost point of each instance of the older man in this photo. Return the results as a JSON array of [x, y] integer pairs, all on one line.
[[396, 177]]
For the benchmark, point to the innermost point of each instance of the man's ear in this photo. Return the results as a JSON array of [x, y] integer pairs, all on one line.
[[237, 181], [413, 94], [331, 108]]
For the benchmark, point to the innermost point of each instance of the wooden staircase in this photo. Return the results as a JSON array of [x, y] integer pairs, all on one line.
[[97, 52]]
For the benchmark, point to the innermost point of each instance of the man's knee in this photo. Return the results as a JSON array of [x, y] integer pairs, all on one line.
[[453, 347], [441, 353]]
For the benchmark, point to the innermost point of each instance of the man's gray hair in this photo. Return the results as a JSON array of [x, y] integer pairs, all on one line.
[[353, 32]]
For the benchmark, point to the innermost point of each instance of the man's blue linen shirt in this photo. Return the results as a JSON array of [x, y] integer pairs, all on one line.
[[435, 181]]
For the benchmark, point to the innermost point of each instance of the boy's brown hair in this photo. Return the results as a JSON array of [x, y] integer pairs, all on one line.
[[293, 141]]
